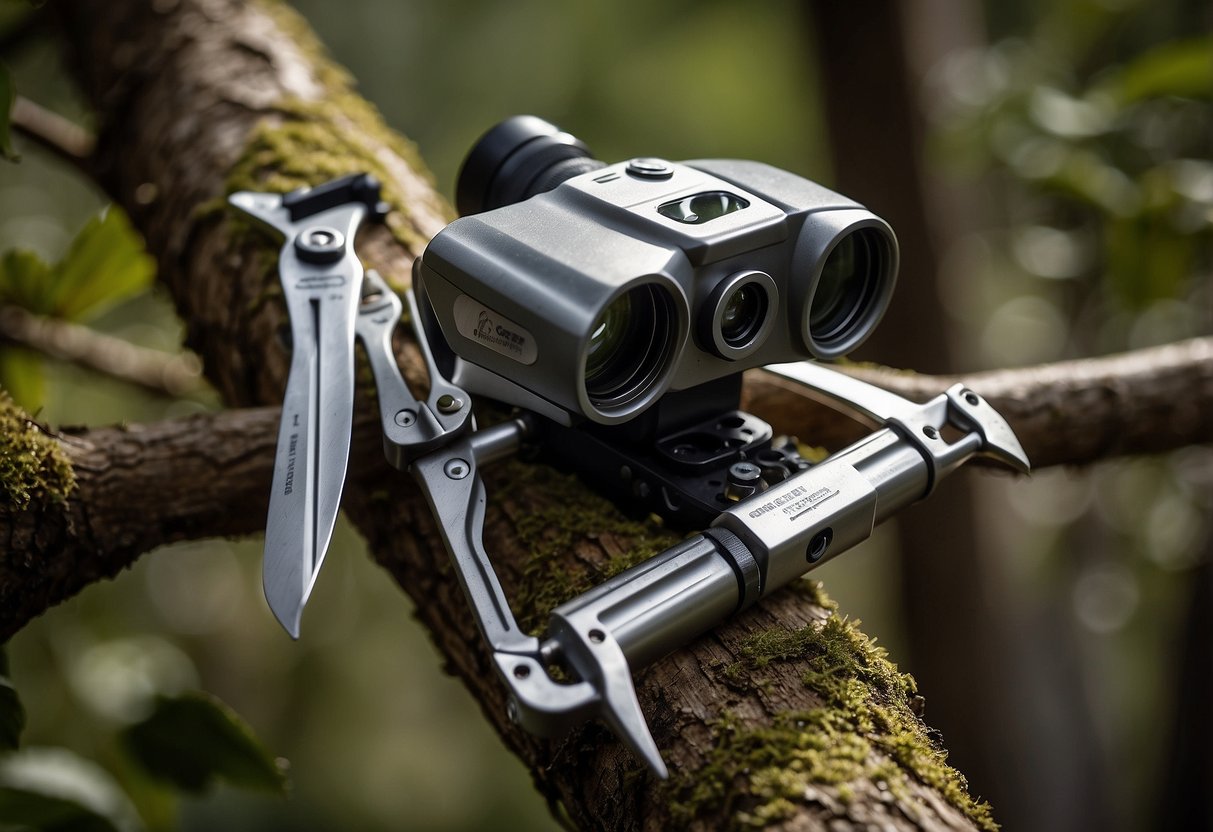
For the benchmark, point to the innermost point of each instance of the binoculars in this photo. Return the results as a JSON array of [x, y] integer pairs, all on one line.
[[586, 291]]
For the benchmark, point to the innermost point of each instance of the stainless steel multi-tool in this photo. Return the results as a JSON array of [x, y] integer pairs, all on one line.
[[615, 306]]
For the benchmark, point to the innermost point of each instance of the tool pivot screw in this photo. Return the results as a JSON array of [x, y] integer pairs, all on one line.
[[456, 469], [449, 404], [406, 418], [930, 432], [745, 478], [320, 244]]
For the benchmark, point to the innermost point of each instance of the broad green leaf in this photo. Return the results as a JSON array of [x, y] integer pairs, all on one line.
[[12, 715], [8, 94], [26, 281], [1183, 68], [195, 740], [106, 263], [54, 790], [21, 376], [22, 809]]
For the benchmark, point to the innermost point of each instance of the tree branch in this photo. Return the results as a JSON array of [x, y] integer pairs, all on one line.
[[1061, 413], [152, 370], [1065, 413], [136, 488], [51, 131]]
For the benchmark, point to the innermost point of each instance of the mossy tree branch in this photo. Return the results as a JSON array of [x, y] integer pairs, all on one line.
[[1067, 413], [786, 717]]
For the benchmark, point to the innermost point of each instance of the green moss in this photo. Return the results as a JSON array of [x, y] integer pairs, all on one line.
[[562, 512], [864, 731], [308, 142], [32, 465]]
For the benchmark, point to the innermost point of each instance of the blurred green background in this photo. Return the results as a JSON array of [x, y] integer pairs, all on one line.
[[1060, 153]]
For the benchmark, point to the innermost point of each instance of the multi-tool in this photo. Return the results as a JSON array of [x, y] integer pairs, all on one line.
[[614, 306]]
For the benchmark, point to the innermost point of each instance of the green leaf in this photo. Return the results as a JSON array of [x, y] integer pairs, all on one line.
[[106, 263], [12, 714], [31, 810], [22, 376], [54, 790], [195, 740], [26, 281], [8, 94], [1184, 68]]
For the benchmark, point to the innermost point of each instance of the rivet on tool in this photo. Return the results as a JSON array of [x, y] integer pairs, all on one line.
[[406, 418], [449, 404], [320, 244], [456, 469]]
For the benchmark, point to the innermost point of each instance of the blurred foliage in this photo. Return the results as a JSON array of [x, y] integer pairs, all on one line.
[[55, 790], [7, 96], [104, 265], [191, 741], [1099, 144], [1086, 124], [12, 714]]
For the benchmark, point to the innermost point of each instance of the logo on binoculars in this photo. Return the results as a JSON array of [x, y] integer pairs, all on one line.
[[478, 323]]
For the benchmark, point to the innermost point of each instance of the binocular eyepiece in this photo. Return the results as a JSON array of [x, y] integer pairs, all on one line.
[[594, 288]]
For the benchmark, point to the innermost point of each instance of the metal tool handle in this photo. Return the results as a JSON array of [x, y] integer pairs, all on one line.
[[775, 536], [411, 428]]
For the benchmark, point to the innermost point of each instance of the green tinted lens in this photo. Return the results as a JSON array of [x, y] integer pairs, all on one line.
[[743, 313], [609, 335], [629, 347], [842, 277]]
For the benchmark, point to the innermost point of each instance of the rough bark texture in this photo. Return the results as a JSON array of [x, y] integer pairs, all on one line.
[[787, 717], [136, 487], [208, 476]]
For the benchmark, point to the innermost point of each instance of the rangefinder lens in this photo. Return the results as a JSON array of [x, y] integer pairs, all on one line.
[[742, 315], [737, 316], [847, 286], [630, 346]]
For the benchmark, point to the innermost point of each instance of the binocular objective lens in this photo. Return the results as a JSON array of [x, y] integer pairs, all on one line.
[[743, 314], [629, 348], [847, 286], [607, 337]]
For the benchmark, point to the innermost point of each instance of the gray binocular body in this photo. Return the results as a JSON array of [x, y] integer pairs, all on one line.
[[592, 299]]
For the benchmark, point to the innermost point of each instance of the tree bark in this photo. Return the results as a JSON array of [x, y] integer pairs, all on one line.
[[208, 475], [786, 717]]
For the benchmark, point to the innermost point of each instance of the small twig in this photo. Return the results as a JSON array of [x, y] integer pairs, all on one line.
[[66, 139], [159, 372]]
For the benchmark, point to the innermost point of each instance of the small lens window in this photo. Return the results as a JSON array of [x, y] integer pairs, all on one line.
[[701, 208], [743, 314], [736, 317]]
